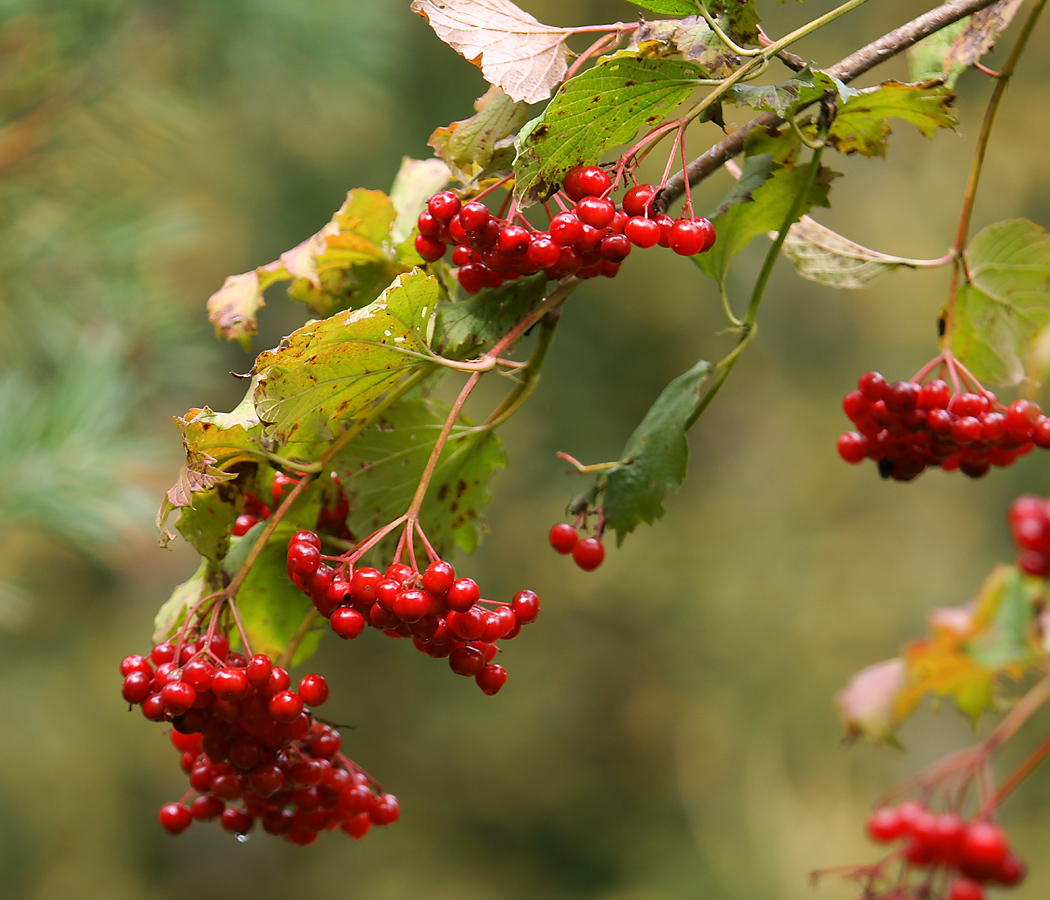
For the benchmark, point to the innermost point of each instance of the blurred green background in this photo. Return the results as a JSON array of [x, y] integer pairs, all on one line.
[[667, 730]]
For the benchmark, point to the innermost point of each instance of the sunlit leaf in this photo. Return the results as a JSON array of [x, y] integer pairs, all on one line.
[[514, 51], [862, 122], [470, 143], [656, 456], [380, 470], [1005, 304], [595, 111], [824, 256], [467, 328], [334, 371]]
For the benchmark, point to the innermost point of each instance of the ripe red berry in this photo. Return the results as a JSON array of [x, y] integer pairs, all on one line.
[[543, 251], [615, 248], [285, 706], [137, 687], [884, 825], [571, 183], [637, 200], [438, 577], [588, 554], [443, 206], [642, 232], [198, 673], [386, 810], [411, 606], [597, 212], [303, 558], [687, 237], [592, 181], [430, 248], [984, 844], [474, 216], [313, 689], [428, 225], [207, 807], [563, 537], [466, 661], [229, 684], [243, 524], [966, 889], [491, 679], [473, 277], [463, 594], [135, 663], [347, 623], [526, 605], [853, 447], [174, 818], [566, 230], [178, 697], [236, 820]]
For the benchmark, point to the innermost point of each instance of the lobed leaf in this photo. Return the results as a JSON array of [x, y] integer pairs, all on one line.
[[862, 122], [514, 51], [598, 109], [760, 209], [824, 256], [380, 470], [656, 456], [1002, 308], [331, 372], [791, 95], [468, 145], [467, 328]]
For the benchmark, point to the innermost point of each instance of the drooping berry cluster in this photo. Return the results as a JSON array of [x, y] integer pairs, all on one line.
[[246, 737], [971, 853], [587, 553], [591, 236], [1029, 519], [909, 426], [442, 614]]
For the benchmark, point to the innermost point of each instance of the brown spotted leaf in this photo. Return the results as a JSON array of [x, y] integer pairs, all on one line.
[[468, 145], [689, 38], [514, 51], [978, 37]]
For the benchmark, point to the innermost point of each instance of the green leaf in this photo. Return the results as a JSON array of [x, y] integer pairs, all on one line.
[[862, 126], [332, 372], [758, 169], [467, 328], [1001, 310], [668, 7], [824, 256], [738, 18], [381, 468], [174, 610], [416, 182], [656, 456], [926, 58], [221, 450], [468, 145], [770, 203], [791, 95], [598, 109], [271, 607], [690, 38], [1009, 637]]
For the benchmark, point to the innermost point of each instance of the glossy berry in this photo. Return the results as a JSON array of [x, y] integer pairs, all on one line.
[[439, 577], [543, 251], [430, 248], [687, 237], [642, 233], [563, 537], [243, 524], [592, 182], [463, 594], [347, 623], [174, 818], [286, 706], [474, 216], [615, 248], [526, 606], [313, 689], [566, 229], [443, 206], [597, 212], [853, 447], [303, 558], [491, 679], [588, 554], [637, 201]]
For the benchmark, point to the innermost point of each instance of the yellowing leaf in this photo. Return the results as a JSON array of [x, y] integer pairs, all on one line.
[[689, 38], [866, 704], [979, 35], [469, 144], [513, 50]]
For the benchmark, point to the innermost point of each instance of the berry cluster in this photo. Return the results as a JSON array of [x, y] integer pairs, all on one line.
[[908, 426], [972, 853], [331, 519], [587, 553], [591, 236], [441, 613], [245, 736], [1029, 519]]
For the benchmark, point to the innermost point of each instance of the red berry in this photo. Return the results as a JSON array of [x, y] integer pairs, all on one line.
[[443, 206], [386, 810], [286, 706], [162, 653], [259, 669], [666, 223], [637, 200], [430, 248], [563, 537], [229, 684], [237, 820], [137, 687], [207, 807], [244, 524], [615, 248], [411, 606], [428, 225], [438, 577], [592, 181], [571, 183], [466, 661], [174, 818], [596, 211], [966, 889], [303, 558], [347, 623], [278, 681], [313, 689], [566, 230], [526, 605], [135, 663], [514, 240], [588, 554], [474, 216], [178, 697], [687, 237], [935, 394], [491, 679], [984, 844], [463, 594], [884, 825], [463, 255], [853, 447], [473, 277], [543, 251], [198, 674], [642, 232]]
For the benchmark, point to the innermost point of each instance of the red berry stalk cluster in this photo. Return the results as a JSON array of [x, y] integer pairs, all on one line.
[[247, 738], [1029, 519], [909, 426], [942, 855], [587, 553], [591, 235], [442, 614]]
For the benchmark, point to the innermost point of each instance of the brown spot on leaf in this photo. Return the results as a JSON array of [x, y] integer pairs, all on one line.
[[442, 491]]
